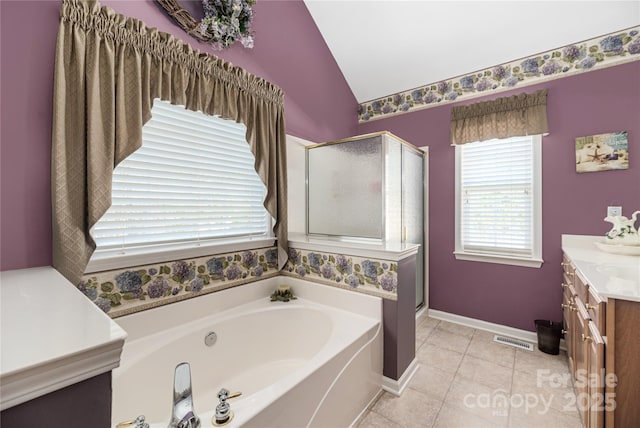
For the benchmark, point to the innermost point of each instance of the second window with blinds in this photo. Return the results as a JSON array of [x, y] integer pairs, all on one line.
[[499, 201], [190, 190]]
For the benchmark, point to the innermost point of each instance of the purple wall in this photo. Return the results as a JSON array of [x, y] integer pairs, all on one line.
[[289, 51], [592, 103]]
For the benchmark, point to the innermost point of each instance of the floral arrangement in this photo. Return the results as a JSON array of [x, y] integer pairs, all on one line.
[[228, 21]]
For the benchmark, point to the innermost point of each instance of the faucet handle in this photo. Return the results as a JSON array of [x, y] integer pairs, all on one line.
[[223, 395], [138, 422], [223, 409]]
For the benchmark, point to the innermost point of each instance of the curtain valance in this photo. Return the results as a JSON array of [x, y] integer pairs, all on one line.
[[522, 114], [109, 68]]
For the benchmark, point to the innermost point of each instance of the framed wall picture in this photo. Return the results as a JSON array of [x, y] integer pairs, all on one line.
[[602, 152]]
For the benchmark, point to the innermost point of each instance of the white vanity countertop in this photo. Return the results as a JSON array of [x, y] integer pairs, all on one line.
[[386, 251], [613, 276], [52, 335]]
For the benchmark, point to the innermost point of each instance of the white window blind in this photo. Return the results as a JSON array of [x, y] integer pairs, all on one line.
[[498, 206], [193, 179]]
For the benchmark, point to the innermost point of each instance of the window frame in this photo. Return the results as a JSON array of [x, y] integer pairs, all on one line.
[[535, 260], [116, 257]]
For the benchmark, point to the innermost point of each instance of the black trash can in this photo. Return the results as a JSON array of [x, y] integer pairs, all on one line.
[[549, 333]]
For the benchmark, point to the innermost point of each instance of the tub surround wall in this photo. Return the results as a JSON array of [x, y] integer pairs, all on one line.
[[400, 328], [58, 350], [591, 103], [123, 291], [371, 268], [365, 275], [81, 405]]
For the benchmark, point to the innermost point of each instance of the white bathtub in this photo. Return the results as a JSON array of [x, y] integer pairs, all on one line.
[[315, 361]]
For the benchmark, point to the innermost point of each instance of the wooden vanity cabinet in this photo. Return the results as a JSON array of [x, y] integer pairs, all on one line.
[[596, 381], [568, 323], [603, 347], [568, 295], [582, 364], [622, 362]]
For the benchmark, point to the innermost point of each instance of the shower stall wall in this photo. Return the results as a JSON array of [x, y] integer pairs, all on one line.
[[368, 188]]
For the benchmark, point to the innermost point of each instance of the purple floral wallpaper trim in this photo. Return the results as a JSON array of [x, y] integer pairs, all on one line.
[[612, 49], [125, 291], [372, 276]]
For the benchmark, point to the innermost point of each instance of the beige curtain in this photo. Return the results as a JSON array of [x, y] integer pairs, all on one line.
[[523, 114], [108, 70]]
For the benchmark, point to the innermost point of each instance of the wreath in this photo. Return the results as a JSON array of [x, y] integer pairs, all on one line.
[[224, 22]]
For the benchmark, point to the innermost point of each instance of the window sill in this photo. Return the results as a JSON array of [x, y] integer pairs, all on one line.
[[504, 260], [116, 259]]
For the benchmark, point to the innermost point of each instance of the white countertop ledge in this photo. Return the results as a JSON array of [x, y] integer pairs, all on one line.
[[613, 276], [385, 251], [52, 335]]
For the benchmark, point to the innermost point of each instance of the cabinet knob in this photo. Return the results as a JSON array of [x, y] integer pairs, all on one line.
[[565, 331], [565, 306], [563, 285], [585, 338]]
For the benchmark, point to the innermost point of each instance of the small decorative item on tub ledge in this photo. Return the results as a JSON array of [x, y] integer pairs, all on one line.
[[224, 22], [623, 238], [283, 293]]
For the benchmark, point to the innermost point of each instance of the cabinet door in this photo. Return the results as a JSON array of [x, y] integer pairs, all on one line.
[[596, 374], [568, 320], [581, 361]]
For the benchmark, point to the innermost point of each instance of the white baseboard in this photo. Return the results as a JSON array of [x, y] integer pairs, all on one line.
[[421, 311], [397, 387], [527, 336]]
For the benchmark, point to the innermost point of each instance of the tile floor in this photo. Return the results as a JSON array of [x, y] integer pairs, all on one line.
[[466, 380]]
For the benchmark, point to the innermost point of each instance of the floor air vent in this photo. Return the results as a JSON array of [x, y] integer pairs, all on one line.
[[505, 340]]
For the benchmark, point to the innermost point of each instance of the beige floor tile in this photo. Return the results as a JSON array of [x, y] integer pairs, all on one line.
[[485, 372], [447, 340], [466, 380], [483, 333], [553, 389], [483, 347], [489, 403], [412, 409], [423, 331], [427, 322], [433, 356], [451, 416], [432, 381], [540, 417], [456, 329], [375, 420], [531, 362]]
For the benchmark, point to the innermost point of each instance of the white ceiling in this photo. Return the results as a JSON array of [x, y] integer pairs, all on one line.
[[389, 46]]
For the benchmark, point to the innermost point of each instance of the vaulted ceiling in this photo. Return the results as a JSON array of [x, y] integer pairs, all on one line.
[[389, 46]]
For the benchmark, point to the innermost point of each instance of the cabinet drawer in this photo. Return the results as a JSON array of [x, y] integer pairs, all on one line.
[[597, 310], [567, 280], [567, 266]]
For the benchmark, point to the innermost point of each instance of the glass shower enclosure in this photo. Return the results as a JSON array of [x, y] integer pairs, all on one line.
[[368, 188]]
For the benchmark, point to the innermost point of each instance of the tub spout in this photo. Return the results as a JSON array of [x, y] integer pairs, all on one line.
[[183, 414]]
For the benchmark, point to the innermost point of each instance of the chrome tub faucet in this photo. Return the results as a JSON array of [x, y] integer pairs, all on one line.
[[183, 415]]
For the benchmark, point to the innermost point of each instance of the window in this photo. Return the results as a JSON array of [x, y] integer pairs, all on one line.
[[498, 201], [191, 185]]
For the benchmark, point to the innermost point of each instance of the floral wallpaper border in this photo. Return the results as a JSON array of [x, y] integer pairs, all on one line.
[[124, 291], [365, 275], [600, 52]]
